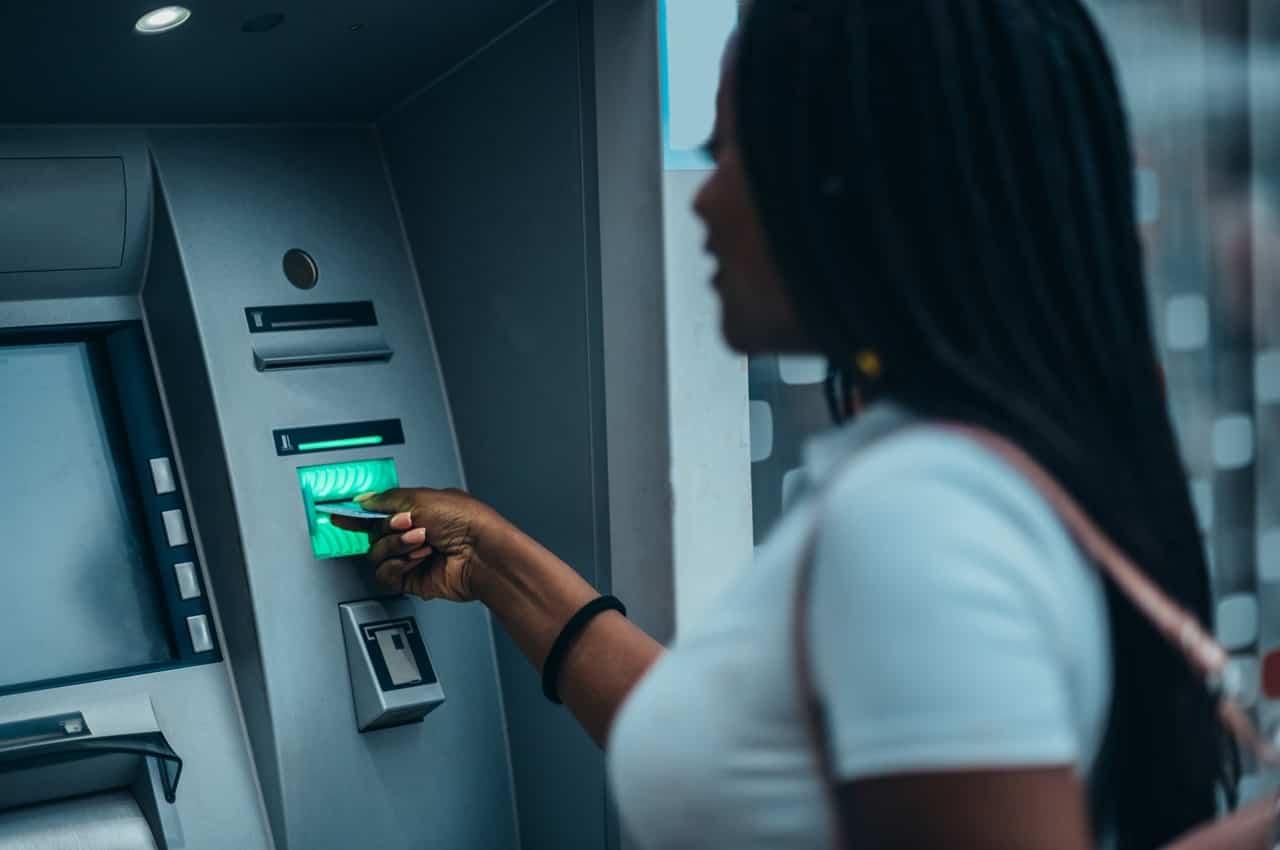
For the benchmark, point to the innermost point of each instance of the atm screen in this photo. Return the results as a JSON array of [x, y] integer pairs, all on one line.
[[80, 594]]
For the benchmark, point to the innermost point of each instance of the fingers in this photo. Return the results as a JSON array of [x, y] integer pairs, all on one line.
[[350, 523], [399, 503], [374, 527], [399, 500], [398, 545], [406, 575], [401, 552]]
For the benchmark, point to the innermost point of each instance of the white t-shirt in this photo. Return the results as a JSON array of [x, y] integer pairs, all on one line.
[[954, 624]]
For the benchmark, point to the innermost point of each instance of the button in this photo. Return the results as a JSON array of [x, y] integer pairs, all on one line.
[[201, 637], [188, 584], [162, 475], [175, 528]]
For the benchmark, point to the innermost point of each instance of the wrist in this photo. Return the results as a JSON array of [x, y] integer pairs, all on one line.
[[489, 586], [498, 549], [493, 539], [515, 572]]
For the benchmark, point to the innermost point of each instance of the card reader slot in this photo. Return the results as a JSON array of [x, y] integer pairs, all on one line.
[[336, 483]]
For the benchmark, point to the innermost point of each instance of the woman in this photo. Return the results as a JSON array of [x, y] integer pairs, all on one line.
[[935, 195]]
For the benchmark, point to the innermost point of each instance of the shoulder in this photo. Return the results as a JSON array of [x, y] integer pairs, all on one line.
[[953, 621], [939, 463], [928, 491]]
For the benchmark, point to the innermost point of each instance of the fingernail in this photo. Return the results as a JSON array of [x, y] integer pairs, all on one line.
[[420, 554], [401, 522], [412, 538], [364, 497]]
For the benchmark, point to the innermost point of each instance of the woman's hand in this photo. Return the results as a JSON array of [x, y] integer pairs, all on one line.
[[443, 544], [431, 545]]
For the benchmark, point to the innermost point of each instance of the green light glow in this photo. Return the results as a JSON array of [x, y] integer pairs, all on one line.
[[341, 482], [347, 443]]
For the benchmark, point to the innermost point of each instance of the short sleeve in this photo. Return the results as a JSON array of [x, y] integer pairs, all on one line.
[[937, 613]]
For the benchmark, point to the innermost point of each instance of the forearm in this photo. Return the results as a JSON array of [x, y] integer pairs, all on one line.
[[533, 594]]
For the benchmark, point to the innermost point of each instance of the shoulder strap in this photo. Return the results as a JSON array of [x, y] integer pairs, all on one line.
[[1205, 656]]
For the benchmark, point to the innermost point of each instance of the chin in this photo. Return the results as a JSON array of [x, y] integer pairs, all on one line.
[[751, 333], [740, 340]]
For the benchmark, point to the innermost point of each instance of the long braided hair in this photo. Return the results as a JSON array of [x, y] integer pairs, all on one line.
[[948, 183]]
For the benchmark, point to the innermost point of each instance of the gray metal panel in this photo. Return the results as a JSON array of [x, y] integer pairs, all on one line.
[[175, 336], [238, 199], [80, 275], [111, 308], [217, 804], [488, 167], [628, 168], [621, 53], [61, 213]]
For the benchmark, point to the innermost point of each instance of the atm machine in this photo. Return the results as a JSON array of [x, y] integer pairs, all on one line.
[[256, 260]]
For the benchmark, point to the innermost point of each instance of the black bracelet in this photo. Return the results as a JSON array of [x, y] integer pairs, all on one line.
[[570, 632]]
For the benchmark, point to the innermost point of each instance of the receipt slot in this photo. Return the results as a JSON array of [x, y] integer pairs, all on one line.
[[392, 680]]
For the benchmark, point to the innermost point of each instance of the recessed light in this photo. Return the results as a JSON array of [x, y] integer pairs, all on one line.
[[162, 20]]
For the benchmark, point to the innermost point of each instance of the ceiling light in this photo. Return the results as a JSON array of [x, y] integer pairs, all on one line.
[[162, 20]]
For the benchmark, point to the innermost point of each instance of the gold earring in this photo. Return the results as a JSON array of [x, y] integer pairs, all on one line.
[[868, 363]]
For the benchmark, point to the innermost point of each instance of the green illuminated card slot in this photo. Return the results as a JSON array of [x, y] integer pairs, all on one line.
[[339, 483]]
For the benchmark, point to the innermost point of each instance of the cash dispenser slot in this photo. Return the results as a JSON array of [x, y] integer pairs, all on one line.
[[298, 336], [100, 749], [336, 484]]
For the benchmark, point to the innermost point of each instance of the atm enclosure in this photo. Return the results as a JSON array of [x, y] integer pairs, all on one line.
[[251, 268]]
